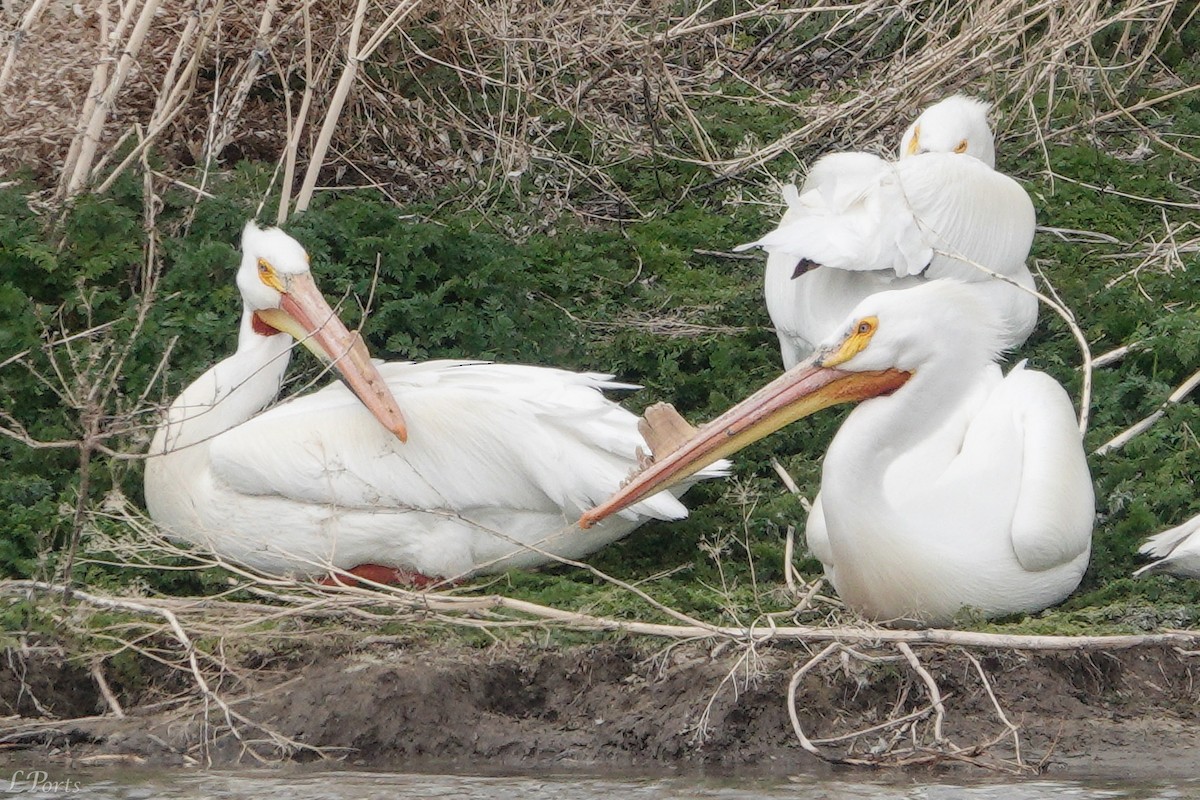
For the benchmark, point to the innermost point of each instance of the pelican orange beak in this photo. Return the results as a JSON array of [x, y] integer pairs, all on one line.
[[805, 389], [304, 313]]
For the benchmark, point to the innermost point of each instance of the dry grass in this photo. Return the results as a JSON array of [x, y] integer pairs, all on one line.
[[435, 93]]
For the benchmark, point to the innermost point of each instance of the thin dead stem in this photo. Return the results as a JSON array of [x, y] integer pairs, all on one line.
[[1013, 730], [867, 747], [1141, 426]]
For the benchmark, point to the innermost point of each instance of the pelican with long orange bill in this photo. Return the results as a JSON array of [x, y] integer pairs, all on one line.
[[495, 466], [950, 486]]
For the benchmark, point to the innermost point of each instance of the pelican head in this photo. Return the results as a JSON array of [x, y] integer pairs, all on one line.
[[888, 339], [936, 322], [281, 296], [957, 124]]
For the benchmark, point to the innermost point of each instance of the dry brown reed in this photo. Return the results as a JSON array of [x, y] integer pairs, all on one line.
[[407, 96]]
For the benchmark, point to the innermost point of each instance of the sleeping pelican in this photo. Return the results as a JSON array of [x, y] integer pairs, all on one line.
[[1176, 550], [861, 225], [951, 486], [497, 459]]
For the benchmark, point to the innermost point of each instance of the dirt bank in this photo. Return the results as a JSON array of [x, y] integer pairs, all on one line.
[[621, 704]]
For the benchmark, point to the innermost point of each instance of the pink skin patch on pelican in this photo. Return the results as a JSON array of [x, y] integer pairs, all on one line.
[[388, 576], [262, 328]]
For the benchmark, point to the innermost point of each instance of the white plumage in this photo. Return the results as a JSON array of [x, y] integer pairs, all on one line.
[[950, 486], [1176, 551], [498, 458], [861, 224]]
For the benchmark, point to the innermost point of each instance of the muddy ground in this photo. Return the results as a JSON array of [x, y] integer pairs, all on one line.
[[615, 704]]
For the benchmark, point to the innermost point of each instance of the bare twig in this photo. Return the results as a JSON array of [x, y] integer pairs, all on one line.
[[448, 607], [90, 135], [1117, 354], [935, 695], [354, 59], [18, 36], [1141, 426], [249, 75], [106, 691], [987, 686]]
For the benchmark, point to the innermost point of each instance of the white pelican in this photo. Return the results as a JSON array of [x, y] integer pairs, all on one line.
[[1176, 550], [861, 225], [497, 457], [950, 486]]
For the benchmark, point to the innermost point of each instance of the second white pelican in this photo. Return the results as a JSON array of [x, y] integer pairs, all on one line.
[[861, 224], [951, 486], [499, 459]]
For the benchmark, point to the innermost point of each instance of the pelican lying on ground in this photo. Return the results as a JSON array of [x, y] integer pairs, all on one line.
[[951, 486], [1177, 551], [861, 225], [497, 458]]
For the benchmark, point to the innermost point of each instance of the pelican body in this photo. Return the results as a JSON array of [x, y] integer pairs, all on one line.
[[485, 462], [949, 487], [861, 224]]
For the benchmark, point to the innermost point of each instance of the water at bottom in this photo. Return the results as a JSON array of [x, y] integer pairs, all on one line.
[[294, 784]]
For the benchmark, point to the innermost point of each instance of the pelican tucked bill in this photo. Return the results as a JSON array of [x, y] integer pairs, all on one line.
[[497, 458], [950, 486], [861, 224]]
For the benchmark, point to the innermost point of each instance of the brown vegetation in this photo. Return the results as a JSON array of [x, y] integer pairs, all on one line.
[[438, 92]]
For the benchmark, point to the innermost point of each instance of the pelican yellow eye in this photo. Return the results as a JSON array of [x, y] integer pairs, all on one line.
[[267, 274], [855, 342], [962, 147]]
